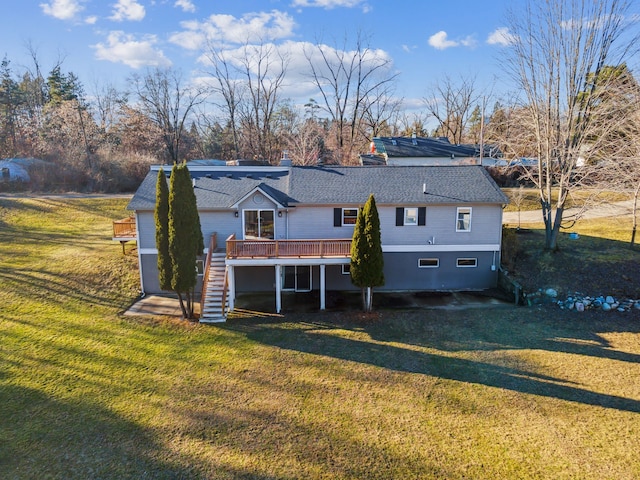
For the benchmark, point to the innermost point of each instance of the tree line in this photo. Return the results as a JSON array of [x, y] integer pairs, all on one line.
[[574, 108]]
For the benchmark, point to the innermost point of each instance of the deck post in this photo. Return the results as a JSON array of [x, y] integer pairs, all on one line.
[[322, 287], [231, 294], [278, 289]]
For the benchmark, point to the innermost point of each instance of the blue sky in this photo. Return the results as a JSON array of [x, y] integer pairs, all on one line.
[[105, 41]]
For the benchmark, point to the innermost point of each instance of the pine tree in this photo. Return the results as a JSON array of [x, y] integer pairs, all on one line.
[[185, 237], [367, 262], [162, 231]]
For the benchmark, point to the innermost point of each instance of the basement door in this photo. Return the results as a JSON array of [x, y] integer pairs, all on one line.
[[296, 278]]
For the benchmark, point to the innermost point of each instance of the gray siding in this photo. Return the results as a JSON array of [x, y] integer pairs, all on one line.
[[308, 222], [486, 220], [147, 230], [150, 282], [402, 272]]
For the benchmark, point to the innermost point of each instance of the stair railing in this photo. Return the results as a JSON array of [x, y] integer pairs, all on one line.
[[213, 244]]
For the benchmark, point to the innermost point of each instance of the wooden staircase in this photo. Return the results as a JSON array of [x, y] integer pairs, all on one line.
[[212, 309]]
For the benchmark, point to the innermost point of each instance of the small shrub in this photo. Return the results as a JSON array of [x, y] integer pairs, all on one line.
[[510, 247]]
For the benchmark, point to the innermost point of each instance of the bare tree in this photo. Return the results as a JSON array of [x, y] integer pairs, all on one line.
[[560, 48], [381, 109], [346, 80], [415, 123], [164, 99], [247, 82], [452, 104], [264, 68], [228, 88]]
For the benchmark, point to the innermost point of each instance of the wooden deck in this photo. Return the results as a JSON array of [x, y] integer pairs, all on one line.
[[334, 248], [124, 231]]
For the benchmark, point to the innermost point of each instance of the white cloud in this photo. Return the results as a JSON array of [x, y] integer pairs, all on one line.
[[127, 10], [299, 84], [441, 41], [227, 29], [186, 5], [62, 9], [91, 20], [125, 48], [501, 36]]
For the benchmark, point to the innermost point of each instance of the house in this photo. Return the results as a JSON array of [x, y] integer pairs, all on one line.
[[289, 228], [427, 151], [17, 169]]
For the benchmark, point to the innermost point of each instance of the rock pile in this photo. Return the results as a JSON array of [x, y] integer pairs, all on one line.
[[579, 302]]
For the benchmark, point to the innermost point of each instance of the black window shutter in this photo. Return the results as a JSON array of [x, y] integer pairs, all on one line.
[[422, 215], [399, 216], [337, 217]]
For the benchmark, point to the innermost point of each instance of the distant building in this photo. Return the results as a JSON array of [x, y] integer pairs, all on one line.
[[17, 169], [427, 151]]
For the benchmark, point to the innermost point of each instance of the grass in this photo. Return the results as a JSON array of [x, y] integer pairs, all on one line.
[[490, 393]]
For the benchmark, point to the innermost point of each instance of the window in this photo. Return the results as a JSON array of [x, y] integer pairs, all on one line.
[[296, 278], [406, 216], [258, 224], [200, 267], [411, 216], [467, 262], [349, 216], [463, 220], [428, 262], [346, 269]]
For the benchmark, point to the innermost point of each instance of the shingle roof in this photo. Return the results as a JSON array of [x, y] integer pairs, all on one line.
[[402, 147], [336, 185]]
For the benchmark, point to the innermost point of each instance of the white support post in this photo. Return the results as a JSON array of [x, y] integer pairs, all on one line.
[[231, 292], [278, 289], [322, 287]]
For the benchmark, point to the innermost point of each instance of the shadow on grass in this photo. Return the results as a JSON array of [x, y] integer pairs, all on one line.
[[45, 438], [321, 337]]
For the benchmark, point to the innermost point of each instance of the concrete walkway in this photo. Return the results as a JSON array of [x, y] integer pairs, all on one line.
[[157, 305]]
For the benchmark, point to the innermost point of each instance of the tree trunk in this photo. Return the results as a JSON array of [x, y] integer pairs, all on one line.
[[555, 231], [182, 306]]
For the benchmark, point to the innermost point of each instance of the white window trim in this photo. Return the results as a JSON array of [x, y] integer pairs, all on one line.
[[470, 209], [437, 265], [345, 269], [342, 218], [405, 223], [198, 262], [258, 210], [475, 262]]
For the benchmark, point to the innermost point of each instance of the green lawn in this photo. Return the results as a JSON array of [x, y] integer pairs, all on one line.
[[490, 393]]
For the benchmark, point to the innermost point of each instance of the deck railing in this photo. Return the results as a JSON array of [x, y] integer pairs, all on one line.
[[288, 248], [125, 228]]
